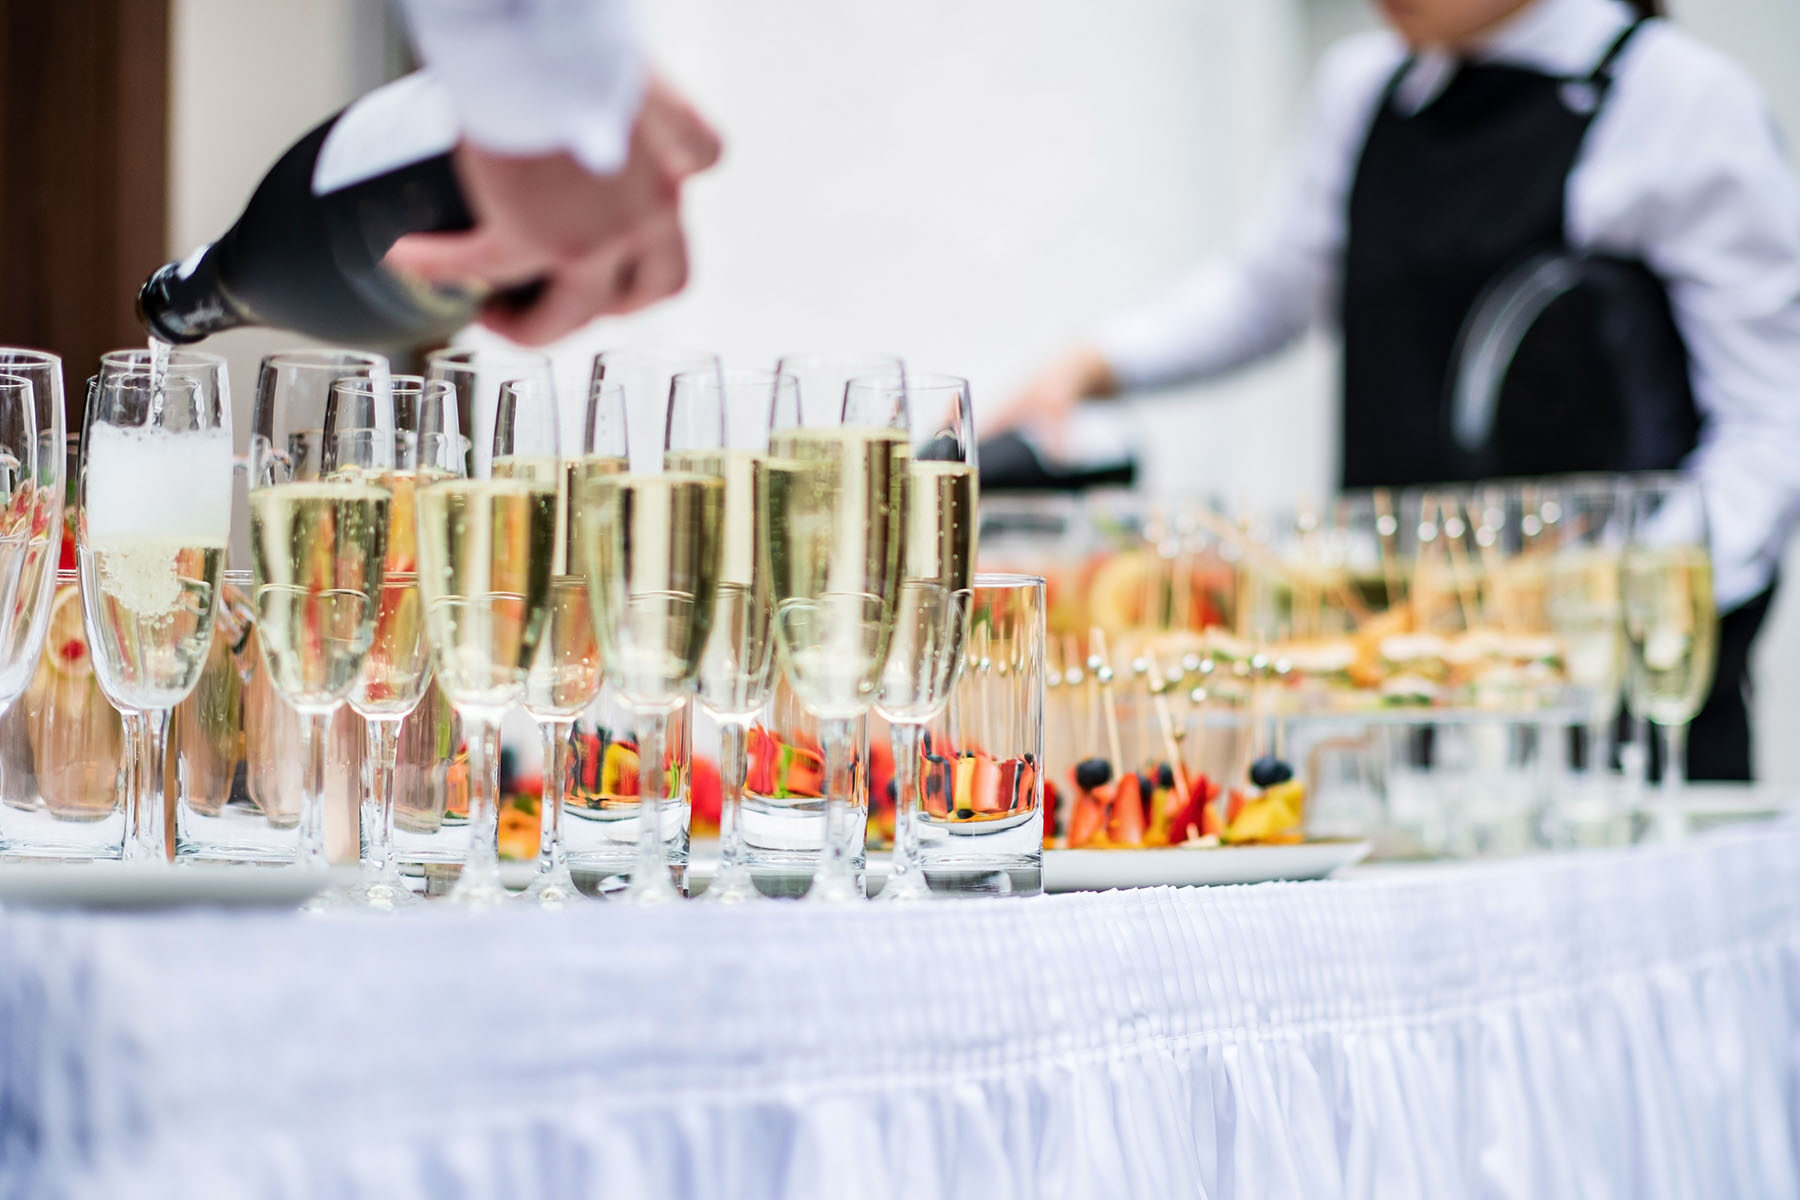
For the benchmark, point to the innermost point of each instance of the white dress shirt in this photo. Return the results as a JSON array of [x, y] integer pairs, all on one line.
[[536, 76], [1682, 169]]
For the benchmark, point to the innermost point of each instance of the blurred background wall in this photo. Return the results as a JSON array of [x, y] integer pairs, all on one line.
[[971, 184]]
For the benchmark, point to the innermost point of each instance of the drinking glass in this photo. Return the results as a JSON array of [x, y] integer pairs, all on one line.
[[564, 671], [652, 539], [33, 522], [477, 373], [1671, 621], [931, 615], [397, 670], [737, 664], [1583, 605], [319, 525], [837, 507], [981, 796], [645, 374], [487, 549], [156, 477], [824, 376]]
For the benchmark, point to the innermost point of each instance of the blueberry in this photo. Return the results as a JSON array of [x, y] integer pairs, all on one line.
[[1268, 771], [1145, 786], [1165, 776], [1091, 773]]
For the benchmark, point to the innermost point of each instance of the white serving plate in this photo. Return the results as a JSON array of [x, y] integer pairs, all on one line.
[[1180, 866], [118, 885]]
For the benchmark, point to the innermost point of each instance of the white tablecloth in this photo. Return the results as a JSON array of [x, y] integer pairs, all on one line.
[[1612, 1024]]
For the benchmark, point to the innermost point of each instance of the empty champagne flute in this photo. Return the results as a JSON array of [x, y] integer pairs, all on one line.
[[487, 549], [836, 527], [645, 374], [318, 544], [931, 612], [564, 673], [477, 374], [398, 667], [737, 664], [652, 540], [156, 476], [1671, 621], [33, 523]]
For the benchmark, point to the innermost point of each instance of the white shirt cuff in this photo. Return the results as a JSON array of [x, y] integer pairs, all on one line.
[[537, 76]]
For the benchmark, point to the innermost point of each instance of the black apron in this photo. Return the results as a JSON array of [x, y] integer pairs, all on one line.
[[1451, 207]]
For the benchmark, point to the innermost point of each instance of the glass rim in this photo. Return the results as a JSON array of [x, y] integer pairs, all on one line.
[[468, 356], [998, 581], [179, 356], [323, 356], [25, 354], [725, 376], [10, 382], [408, 383]]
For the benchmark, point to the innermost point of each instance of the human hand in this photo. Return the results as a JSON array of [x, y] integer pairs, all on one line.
[[1049, 396], [600, 243]]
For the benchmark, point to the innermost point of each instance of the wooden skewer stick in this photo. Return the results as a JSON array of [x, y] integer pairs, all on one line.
[[1469, 600], [1159, 698], [1387, 547], [1103, 676]]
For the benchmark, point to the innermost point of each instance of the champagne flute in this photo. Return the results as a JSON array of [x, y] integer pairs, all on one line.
[[398, 667], [1671, 621], [156, 475], [646, 373], [33, 523], [318, 544], [477, 374], [836, 528], [487, 547], [932, 610], [564, 673], [652, 540], [737, 664]]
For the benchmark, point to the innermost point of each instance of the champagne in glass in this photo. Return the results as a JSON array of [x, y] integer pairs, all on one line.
[[397, 669], [486, 548], [156, 500], [564, 674], [319, 522], [737, 664], [836, 530], [1671, 621], [932, 609]]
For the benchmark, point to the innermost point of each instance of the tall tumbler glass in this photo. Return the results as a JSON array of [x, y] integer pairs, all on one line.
[[156, 476], [981, 825]]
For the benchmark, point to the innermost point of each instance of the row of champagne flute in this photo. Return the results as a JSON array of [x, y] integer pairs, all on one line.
[[389, 547]]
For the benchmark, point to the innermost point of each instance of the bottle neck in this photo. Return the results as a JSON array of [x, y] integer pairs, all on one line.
[[184, 302]]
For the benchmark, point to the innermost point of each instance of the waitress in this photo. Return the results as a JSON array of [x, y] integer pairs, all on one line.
[[1449, 167]]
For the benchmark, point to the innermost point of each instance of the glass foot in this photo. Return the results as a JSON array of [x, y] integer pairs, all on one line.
[[734, 885], [382, 893], [902, 886], [834, 889], [479, 890], [652, 887], [553, 890]]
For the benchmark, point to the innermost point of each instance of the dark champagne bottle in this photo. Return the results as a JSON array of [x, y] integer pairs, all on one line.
[[306, 253]]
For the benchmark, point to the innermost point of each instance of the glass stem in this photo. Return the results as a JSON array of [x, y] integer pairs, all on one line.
[[733, 767], [1599, 748], [906, 740], [834, 879], [152, 844], [650, 878], [1674, 779], [550, 804], [311, 850], [483, 859], [133, 723], [378, 794]]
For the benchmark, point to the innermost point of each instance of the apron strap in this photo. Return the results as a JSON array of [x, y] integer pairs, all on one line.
[[1601, 75]]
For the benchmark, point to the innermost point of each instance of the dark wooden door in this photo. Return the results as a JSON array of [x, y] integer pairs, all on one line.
[[84, 104]]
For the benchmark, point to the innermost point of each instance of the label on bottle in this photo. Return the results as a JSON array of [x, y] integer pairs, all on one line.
[[393, 126]]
